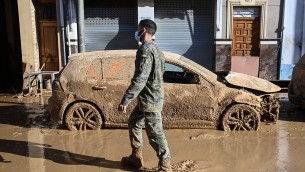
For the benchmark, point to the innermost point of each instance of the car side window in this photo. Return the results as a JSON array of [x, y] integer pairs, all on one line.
[[177, 74]]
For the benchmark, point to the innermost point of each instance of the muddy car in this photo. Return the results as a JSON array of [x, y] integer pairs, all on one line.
[[296, 88], [87, 92]]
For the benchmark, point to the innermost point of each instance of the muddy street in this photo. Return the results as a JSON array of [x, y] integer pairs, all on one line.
[[29, 142]]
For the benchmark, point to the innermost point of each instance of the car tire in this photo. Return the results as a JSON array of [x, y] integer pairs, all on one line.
[[82, 116], [240, 117]]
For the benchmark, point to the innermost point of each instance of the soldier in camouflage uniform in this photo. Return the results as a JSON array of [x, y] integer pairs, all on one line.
[[147, 86]]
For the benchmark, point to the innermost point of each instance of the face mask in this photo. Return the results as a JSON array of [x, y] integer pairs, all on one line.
[[138, 35]]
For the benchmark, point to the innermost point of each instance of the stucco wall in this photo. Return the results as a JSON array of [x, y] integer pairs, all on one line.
[[274, 19], [28, 35]]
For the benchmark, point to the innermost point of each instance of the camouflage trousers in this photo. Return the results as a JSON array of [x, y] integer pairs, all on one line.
[[154, 129]]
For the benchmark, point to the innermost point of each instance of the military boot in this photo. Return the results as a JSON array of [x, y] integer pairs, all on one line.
[[164, 166], [134, 160]]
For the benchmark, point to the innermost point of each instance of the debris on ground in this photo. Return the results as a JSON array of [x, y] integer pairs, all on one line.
[[41, 120], [204, 136], [183, 166]]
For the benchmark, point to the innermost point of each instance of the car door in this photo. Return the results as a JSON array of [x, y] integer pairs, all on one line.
[[117, 73], [189, 99]]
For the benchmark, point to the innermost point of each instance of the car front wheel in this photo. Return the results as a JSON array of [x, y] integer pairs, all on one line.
[[82, 116], [240, 117]]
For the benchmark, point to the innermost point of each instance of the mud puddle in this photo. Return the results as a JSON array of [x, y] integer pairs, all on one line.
[[28, 112], [29, 142]]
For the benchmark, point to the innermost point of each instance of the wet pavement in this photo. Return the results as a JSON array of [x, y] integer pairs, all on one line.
[[29, 142]]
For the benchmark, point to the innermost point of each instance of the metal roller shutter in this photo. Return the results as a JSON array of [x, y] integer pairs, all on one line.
[[110, 28], [186, 27]]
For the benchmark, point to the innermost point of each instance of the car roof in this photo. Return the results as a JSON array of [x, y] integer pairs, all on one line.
[[169, 57]]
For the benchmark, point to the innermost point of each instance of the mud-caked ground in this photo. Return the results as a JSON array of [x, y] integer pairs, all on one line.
[[30, 142]]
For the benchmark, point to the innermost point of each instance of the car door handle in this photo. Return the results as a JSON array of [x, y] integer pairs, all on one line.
[[98, 87]]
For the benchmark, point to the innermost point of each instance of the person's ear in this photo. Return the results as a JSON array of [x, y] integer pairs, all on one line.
[[144, 30]]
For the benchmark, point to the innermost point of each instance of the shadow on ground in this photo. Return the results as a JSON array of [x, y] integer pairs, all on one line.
[[59, 156]]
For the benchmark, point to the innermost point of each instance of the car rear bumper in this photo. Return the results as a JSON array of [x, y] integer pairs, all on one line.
[[55, 109], [57, 103]]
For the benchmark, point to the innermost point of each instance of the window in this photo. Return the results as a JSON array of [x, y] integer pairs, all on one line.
[[177, 74], [47, 11]]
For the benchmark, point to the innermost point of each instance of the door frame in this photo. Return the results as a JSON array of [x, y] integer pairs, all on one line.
[[39, 22], [237, 3]]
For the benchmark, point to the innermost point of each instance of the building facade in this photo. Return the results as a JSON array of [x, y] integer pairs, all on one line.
[[293, 46], [239, 35], [248, 37], [185, 27]]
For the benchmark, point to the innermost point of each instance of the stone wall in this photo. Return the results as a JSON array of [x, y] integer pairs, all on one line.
[[268, 62], [223, 55]]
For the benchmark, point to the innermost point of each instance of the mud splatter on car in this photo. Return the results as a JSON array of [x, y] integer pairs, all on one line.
[[296, 91], [87, 91]]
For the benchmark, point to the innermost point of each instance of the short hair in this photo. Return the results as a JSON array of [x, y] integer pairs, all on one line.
[[149, 25]]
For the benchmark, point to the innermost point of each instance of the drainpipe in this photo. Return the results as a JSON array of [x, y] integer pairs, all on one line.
[[281, 40], [80, 26], [303, 41], [219, 19], [60, 21]]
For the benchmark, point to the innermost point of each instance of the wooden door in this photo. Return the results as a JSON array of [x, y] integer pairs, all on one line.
[[49, 46], [246, 36]]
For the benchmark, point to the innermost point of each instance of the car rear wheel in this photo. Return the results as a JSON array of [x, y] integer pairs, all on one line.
[[240, 117], [82, 116]]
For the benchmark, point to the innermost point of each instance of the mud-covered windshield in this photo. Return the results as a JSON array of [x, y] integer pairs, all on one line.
[[198, 66]]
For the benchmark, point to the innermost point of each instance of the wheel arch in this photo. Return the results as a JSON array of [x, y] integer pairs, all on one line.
[[64, 113], [222, 114], [238, 97], [228, 106]]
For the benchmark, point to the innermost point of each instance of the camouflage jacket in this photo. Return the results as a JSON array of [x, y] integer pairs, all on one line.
[[147, 82]]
